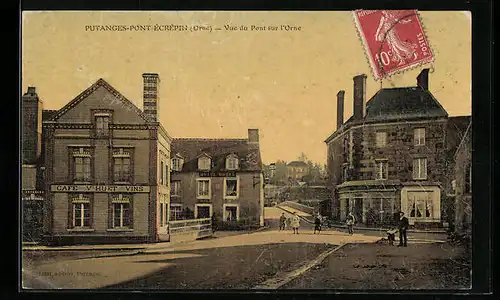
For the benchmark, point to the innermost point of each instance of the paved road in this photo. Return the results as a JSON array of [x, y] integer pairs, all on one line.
[[249, 258], [159, 258]]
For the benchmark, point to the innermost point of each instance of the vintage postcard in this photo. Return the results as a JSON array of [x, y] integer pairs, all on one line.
[[249, 150]]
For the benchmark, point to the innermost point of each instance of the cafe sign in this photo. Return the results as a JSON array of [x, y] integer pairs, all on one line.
[[218, 174], [81, 188]]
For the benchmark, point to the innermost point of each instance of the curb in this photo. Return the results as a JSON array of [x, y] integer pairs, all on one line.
[[83, 249], [385, 229], [276, 283]]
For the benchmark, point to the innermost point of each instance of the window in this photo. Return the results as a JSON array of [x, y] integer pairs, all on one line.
[[122, 214], [421, 206], [381, 139], [419, 136], [204, 163], [345, 172], [420, 168], [177, 164], [81, 165], [202, 211], [175, 188], [162, 174], [121, 165], [232, 162], [80, 212], [175, 212], [203, 189], [231, 213], [102, 125], [161, 214], [468, 178], [231, 187], [381, 169]]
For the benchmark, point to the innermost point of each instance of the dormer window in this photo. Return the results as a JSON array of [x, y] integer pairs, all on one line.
[[102, 121], [232, 162], [177, 163], [204, 162]]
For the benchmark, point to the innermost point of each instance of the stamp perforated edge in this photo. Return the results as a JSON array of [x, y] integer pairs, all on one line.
[[396, 71]]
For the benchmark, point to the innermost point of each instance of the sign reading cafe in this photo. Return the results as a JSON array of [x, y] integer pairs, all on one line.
[[100, 188]]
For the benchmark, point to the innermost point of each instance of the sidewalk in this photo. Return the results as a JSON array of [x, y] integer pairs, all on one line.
[[132, 247]]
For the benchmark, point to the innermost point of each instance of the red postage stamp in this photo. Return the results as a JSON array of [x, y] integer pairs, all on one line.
[[393, 39]]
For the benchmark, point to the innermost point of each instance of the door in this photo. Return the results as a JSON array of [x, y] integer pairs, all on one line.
[[231, 213]]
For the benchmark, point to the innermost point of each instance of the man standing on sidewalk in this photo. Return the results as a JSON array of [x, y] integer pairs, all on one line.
[[350, 220], [282, 221], [403, 226]]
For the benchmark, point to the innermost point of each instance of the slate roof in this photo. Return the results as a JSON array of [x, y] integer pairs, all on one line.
[[399, 104], [403, 103], [218, 149], [297, 163]]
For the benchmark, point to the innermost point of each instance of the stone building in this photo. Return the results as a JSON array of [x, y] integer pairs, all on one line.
[[389, 156], [217, 176], [107, 168], [295, 170]]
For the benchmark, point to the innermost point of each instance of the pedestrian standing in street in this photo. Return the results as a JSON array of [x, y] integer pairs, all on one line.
[[317, 224], [403, 227], [282, 221], [350, 223], [295, 222], [214, 223]]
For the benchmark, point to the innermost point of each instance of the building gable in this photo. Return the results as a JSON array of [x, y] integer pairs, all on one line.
[[100, 95]]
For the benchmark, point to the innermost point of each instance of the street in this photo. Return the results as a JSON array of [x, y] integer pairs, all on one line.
[[227, 260]]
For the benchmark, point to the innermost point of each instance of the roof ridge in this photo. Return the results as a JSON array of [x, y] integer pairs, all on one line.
[[89, 90]]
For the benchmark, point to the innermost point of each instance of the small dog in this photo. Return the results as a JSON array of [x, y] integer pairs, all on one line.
[[391, 236]]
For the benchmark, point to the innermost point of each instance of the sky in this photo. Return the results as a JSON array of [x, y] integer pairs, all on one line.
[[218, 84]]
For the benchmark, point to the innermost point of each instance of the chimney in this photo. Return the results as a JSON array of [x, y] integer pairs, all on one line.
[[359, 109], [31, 126], [423, 79], [340, 109], [31, 90], [151, 96], [253, 136]]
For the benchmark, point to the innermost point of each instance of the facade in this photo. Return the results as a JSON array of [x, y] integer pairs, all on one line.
[[460, 175], [390, 156], [221, 177], [107, 168], [295, 170]]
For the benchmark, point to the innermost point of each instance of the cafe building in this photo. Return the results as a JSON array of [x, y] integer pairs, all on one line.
[[221, 177], [107, 168]]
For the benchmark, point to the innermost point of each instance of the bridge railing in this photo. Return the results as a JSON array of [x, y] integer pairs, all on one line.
[[190, 229], [307, 209]]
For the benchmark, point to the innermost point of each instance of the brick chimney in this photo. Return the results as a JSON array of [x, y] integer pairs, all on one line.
[[359, 109], [31, 126], [423, 80], [340, 109], [151, 96], [253, 136]]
